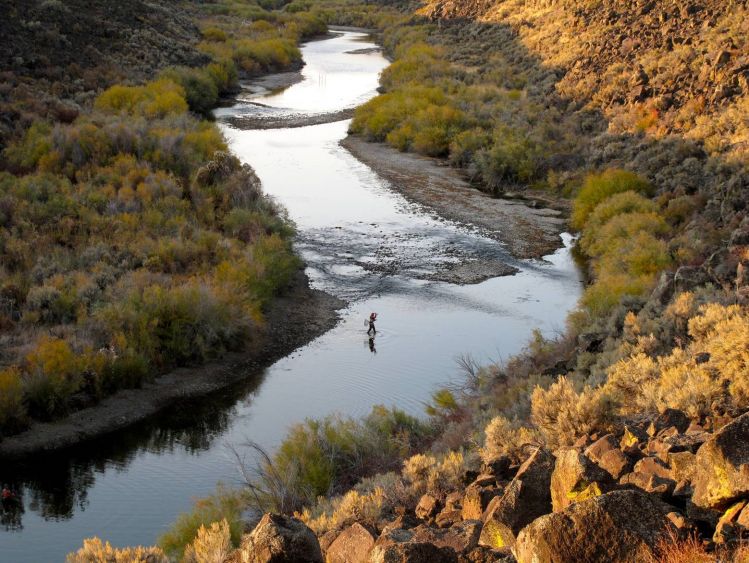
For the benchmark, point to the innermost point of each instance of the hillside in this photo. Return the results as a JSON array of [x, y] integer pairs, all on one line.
[[55, 55]]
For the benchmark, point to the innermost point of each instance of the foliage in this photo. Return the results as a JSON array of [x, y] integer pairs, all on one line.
[[12, 411], [152, 247], [211, 545], [224, 508], [599, 187], [333, 453], [94, 551], [679, 379], [561, 414], [504, 438]]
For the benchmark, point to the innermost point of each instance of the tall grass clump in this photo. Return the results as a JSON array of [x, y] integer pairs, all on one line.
[[224, 507]]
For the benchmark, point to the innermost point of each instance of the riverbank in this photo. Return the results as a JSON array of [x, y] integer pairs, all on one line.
[[279, 337], [529, 227]]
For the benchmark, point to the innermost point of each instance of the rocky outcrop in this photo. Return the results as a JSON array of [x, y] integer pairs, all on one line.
[[280, 539], [721, 473], [576, 478], [621, 526], [526, 498]]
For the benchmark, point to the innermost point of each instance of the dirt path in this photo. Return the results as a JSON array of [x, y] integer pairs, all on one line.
[[133, 405], [526, 226]]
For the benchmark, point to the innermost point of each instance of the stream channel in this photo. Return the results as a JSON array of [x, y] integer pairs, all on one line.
[[363, 243]]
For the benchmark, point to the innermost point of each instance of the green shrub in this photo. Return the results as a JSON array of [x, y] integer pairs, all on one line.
[[618, 204], [598, 187], [201, 92], [320, 457], [224, 504]]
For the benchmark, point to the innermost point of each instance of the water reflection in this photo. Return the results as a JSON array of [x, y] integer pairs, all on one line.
[[56, 486]]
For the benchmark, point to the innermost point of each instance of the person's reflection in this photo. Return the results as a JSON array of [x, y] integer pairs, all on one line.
[[372, 345]]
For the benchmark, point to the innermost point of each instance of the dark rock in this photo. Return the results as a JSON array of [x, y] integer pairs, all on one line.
[[281, 539], [476, 500], [447, 518], [526, 498], [351, 546], [575, 478], [606, 454], [728, 530], [413, 553], [682, 465], [453, 500], [499, 467], [648, 483], [671, 417], [460, 538], [427, 507], [621, 526], [722, 466]]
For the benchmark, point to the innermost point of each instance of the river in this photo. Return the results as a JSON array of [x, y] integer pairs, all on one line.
[[362, 242]]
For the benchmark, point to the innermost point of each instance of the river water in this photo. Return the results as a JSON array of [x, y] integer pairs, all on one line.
[[362, 242]]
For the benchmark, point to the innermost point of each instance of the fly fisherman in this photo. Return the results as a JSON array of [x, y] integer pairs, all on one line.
[[372, 319]]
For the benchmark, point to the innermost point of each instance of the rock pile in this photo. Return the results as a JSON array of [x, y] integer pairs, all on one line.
[[608, 498]]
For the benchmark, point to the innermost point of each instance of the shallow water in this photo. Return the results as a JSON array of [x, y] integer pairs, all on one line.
[[362, 242]]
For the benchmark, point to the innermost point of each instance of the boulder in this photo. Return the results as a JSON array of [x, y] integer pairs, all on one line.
[[427, 508], [575, 478], [413, 553], [351, 546], [280, 539], [621, 526], [682, 466], [526, 498], [669, 418], [728, 529], [447, 518], [721, 474], [453, 500], [605, 453], [476, 500], [461, 538], [648, 482]]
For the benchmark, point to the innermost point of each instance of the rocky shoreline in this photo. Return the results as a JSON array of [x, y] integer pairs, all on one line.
[[279, 338], [623, 496]]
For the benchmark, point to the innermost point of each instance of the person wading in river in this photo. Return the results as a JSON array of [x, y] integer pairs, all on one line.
[[372, 319]]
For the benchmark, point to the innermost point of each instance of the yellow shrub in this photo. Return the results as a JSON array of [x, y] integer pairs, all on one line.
[[632, 384], [347, 509], [95, 551], [156, 99], [11, 397], [562, 415], [505, 438], [212, 545]]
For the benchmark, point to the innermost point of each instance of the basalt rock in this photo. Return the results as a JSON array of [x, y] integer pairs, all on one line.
[[351, 546], [721, 474], [413, 553], [526, 498], [621, 526], [575, 478], [280, 539]]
